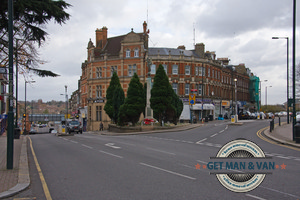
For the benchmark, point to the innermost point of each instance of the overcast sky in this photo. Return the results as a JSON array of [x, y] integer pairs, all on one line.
[[238, 29]]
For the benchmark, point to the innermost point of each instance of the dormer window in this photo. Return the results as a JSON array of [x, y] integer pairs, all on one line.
[[128, 53], [136, 52]]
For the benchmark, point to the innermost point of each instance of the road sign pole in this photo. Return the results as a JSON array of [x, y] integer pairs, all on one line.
[[10, 126]]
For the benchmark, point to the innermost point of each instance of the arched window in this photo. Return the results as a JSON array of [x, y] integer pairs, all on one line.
[[128, 53], [136, 52]]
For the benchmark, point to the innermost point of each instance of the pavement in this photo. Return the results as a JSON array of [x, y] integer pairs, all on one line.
[[15, 180], [282, 134]]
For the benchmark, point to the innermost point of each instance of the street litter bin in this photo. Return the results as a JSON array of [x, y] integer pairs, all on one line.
[[297, 133], [206, 119], [17, 133], [211, 117]]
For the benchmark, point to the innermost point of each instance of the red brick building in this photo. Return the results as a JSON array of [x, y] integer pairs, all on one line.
[[187, 69]]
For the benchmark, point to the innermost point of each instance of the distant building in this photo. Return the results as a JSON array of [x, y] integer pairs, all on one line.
[[211, 78]]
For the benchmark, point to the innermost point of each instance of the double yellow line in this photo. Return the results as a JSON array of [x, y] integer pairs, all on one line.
[[259, 134], [42, 178]]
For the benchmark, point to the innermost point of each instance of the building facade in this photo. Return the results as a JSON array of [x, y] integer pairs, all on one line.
[[213, 80]]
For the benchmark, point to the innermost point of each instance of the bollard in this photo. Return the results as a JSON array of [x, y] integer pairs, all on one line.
[[279, 121], [297, 132], [271, 125]]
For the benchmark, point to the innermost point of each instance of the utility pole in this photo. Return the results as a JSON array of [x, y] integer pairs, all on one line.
[[10, 127], [294, 68]]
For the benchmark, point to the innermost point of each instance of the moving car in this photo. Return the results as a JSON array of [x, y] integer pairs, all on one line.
[[74, 126]]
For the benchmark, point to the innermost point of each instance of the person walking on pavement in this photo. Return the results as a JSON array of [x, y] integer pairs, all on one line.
[[101, 126]]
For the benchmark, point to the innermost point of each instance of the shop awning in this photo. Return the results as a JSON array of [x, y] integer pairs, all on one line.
[[205, 107]]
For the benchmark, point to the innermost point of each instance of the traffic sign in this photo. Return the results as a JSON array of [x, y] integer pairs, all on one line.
[[192, 99]]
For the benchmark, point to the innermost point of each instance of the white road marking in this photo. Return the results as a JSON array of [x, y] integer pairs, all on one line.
[[168, 171], [214, 135], [221, 131], [110, 154], [74, 141], [87, 146], [202, 161], [255, 197], [112, 145], [201, 141], [283, 157], [161, 151], [280, 192]]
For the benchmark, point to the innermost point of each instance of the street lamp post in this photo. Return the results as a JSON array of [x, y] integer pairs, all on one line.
[[260, 93], [235, 90], [267, 95], [25, 131], [287, 74]]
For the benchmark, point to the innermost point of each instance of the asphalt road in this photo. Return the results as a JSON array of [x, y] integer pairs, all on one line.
[[153, 166]]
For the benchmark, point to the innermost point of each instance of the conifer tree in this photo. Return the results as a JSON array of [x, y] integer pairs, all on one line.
[[134, 103], [161, 95], [118, 100], [114, 83]]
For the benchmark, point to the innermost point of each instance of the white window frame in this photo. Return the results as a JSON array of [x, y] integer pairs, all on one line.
[[165, 68], [133, 69], [187, 70], [130, 70], [98, 91], [187, 89], [136, 53], [196, 71], [175, 87], [153, 69], [175, 69], [128, 53], [200, 86]]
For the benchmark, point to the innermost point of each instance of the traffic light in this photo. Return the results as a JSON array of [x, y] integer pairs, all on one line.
[[24, 115]]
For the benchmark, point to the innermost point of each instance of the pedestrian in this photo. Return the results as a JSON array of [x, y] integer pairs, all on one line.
[[101, 126]]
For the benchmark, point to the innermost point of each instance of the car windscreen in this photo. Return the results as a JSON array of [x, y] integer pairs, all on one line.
[[74, 123]]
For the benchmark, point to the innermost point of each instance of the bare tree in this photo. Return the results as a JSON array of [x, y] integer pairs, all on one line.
[[30, 17]]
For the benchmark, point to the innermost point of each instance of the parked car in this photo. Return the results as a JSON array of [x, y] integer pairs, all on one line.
[[32, 130], [298, 118], [74, 126], [244, 115], [270, 115], [262, 115]]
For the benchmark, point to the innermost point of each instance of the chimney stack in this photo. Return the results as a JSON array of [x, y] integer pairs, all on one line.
[[200, 49], [101, 37]]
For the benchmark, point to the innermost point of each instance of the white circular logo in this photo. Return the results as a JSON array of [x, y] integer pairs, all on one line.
[[238, 181]]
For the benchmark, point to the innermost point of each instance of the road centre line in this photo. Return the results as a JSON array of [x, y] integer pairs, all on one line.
[[161, 151], [87, 146], [201, 141], [284, 193], [283, 157], [221, 131], [202, 161], [255, 197], [110, 154], [168, 171], [74, 141], [214, 135]]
